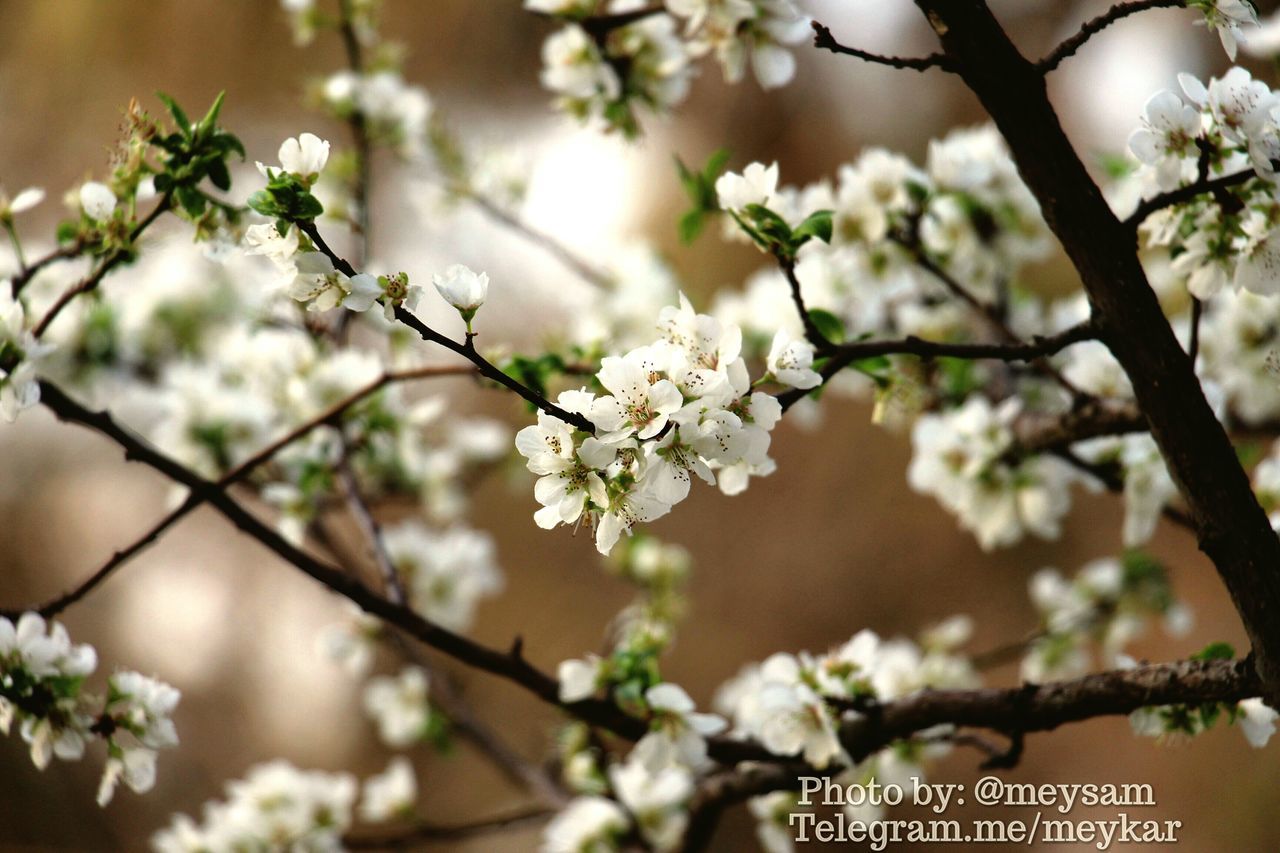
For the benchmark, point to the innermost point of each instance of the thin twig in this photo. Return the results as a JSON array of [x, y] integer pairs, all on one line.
[[62, 253], [811, 331], [466, 349], [1182, 195], [329, 416], [1111, 476], [363, 184], [444, 695], [585, 270], [428, 832], [107, 264], [510, 665], [823, 40], [1036, 348], [1096, 25]]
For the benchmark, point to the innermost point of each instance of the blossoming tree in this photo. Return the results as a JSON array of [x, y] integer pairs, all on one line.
[[273, 376]]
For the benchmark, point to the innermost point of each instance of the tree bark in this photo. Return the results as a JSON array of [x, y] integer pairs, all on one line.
[[1232, 529]]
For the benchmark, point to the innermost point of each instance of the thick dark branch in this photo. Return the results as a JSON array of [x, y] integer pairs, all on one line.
[[1197, 313], [1232, 529], [510, 665], [1013, 712], [1098, 417], [1037, 348], [427, 832], [466, 349], [1182, 195], [823, 40], [1037, 708], [330, 416], [1096, 25]]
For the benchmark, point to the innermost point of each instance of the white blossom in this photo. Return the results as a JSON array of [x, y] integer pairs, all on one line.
[[1257, 721], [97, 200], [591, 824], [757, 184], [791, 361], [399, 706], [391, 794]]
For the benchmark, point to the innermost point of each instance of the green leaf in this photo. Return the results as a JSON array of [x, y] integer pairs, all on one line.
[[691, 225], [817, 224], [219, 175], [688, 179], [715, 165], [1216, 651], [831, 326], [179, 117], [191, 199], [206, 123], [265, 203], [308, 207]]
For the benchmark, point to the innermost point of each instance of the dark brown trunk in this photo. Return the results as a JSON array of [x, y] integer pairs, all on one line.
[[1232, 528]]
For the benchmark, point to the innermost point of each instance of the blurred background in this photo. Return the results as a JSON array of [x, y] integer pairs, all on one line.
[[832, 543]]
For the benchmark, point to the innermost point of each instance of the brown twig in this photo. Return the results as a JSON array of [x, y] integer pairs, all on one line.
[[430, 832], [1096, 25], [465, 349], [105, 266], [329, 416], [823, 40]]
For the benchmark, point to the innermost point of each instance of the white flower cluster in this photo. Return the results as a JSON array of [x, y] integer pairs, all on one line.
[[395, 114], [1228, 18], [786, 702], [679, 407], [601, 74], [19, 355], [651, 789], [962, 458], [445, 572], [275, 807], [399, 706], [1257, 720], [602, 77], [1229, 127], [1239, 335], [42, 678], [740, 30], [793, 705], [1107, 603], [966, 209]]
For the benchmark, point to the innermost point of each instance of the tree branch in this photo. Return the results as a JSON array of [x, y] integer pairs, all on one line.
[[466, 349], [544, 241], [1037, 348], [1013, 712], [509, 665], [330, 416], [24, 276], [1096, 25], [823, 40], [1232, 528], [427, 832], [110, 262], [811, 330], [1037, 708], [1185, 194]]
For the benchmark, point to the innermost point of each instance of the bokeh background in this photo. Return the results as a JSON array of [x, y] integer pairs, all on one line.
[[833, 542]]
